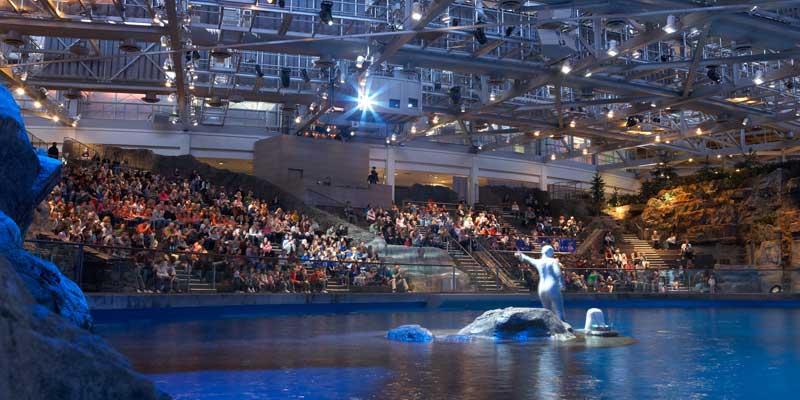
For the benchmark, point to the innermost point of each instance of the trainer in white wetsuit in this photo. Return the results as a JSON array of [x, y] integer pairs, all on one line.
[[551, 282]]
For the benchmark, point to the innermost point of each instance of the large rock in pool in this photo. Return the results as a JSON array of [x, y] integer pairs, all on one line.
[[410, 333], [519, 323]]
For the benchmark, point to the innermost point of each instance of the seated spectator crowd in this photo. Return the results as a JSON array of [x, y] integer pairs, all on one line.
[[170, 224], [430, 224]]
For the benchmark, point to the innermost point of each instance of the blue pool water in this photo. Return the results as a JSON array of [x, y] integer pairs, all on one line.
[[704, 352]]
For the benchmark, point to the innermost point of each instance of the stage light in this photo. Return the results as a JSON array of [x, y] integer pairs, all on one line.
[[413, 129], [653, 104], [759, 78], [572, 124], [416, 11], [537, 133], [670, 26], [566, 68], [553, 156], [326, 12], [585, 151], [435, 119], [455, 94], [712, 74], [360, 62], [297, 119], [745, 121], [364, 102], [658, 138], [37, 104], [492, 96], [699, 131], [588, 74], [20, 90], [55, 118], [637, 54], [612, 51], [479, 34], [286, 78], [394, 137], [610, 114]]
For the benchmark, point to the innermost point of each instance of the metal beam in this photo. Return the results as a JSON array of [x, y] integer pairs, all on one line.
[[8, 74], [697, 54], [174, 27], [391, 48]]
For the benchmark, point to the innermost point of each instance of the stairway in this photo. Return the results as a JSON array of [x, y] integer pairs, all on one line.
[[479, 275], [195, 284], [659, 259]]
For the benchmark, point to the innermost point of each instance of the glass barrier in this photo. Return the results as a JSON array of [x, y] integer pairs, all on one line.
[[117, 269]]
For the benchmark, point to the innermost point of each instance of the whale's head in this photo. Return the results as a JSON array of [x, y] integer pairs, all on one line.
[[547, 251]]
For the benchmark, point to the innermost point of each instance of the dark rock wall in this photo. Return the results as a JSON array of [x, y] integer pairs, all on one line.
[[46, 348]]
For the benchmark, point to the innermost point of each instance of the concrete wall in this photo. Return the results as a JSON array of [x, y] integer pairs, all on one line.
[[342, 161]]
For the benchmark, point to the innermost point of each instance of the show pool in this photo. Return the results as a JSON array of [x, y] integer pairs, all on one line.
[[713, 352]]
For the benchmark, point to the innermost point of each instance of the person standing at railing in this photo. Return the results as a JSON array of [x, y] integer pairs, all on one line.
[[52, 152]]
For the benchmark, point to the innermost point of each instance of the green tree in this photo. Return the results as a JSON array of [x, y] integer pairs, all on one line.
[[598, 191]]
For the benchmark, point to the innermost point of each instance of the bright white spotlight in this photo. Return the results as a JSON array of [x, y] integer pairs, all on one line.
[[416, 11], [670, 26], [566, 68], [613, 51], [759, 79], [364, 102]]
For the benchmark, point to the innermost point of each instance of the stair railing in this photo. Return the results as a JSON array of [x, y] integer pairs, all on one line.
[[502, 268], [453, 243]]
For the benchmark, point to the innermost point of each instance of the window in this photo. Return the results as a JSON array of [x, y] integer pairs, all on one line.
[[413, 103], [394, 103]]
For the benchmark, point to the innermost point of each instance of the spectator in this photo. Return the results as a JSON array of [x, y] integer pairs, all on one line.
[[672, 241], [372, 178], [656, 239], [52, 152]]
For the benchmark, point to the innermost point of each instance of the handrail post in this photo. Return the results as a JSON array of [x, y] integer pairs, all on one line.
[[214, 276], [79, 266]]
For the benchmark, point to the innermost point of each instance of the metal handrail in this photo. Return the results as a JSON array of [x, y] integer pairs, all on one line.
[[458, 245], [502, 267]]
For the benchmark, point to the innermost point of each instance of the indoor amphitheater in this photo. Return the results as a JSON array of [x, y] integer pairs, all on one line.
[[399, 199]]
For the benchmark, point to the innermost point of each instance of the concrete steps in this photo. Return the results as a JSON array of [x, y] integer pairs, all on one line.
[[483, 280]]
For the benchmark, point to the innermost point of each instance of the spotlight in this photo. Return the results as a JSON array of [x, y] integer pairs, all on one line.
[[164, 41], [759, 78], [572, 124], [745, 121], [326, 12], [416, 11], [479, 33], [435, 119], [610, 114], [360, 62], [20, 90], [566, 68], [712, 74], [613, 51], [394, 137], [297, 119], [658, 138], [585, 151], [588, 74], [364, 102], [670, 26], [699, 131], [446, 18], [553, 156], [537, 133], [55, 118], [286, 78], [37, 104], [455, 94], [637, 54]]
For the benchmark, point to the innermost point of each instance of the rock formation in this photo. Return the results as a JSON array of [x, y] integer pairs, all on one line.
[[518, 323], [410, 333], [46, 349]]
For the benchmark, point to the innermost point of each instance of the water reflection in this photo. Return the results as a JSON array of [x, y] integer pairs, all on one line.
[[681, 353]]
